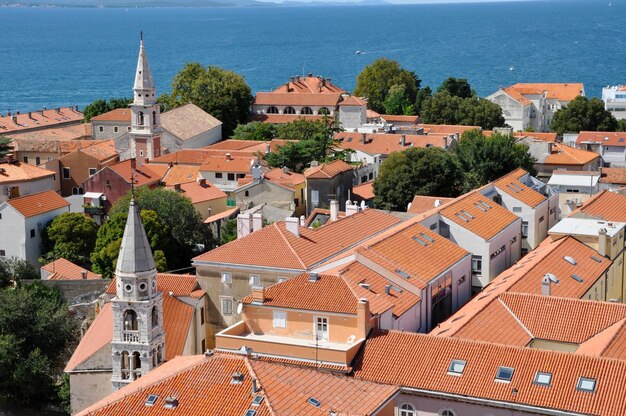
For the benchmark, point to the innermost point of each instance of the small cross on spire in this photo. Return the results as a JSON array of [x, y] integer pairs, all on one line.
[[141, 35]]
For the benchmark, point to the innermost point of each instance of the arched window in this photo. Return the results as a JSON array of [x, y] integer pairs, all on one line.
[[136, 360], [407, 409], [159, 355], [140, 118], [447, 412], [154, 358], [81, 190], [125, 365], [272, 110], [130, 321], [155, 317], [289, 110], [306, 110], [154, 118], [75, 190], [323, 111]]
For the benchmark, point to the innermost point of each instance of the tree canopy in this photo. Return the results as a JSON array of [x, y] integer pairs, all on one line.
[[70, 235], [444, 108], [14, 269], [5, 146], [583, 114], [221, 93], [423, 171], [35, 329], [101, 106], [255, 130], [457, 87], [376, 80]]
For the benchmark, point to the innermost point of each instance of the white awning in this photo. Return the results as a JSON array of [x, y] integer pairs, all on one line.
[[92, 194]]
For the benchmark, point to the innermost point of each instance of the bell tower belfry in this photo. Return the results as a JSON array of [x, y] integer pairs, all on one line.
[[145, 125], [138, 335]]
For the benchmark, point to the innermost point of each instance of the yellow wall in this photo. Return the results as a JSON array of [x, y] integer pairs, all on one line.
[[217, 207]]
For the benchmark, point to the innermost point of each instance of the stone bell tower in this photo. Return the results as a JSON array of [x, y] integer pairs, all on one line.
[[145, 123], [138, 336]]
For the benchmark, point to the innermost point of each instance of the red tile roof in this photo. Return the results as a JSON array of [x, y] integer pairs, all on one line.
[[102, 151], [118, 114], [613, 176], [284, 118], [62, 269], [606, 205], [447, 128], [274, 246], [200, 192], [390, 118], [39, 119], [60, 147], [605, 138], [327, 170], [98, 335], [422, 203], [353, 101], [39, 203], [309, 84], [222, 215], [364, 190], [235, 164], [54, 134], [566, 155], [179, 174], [142, 174], [22, 172], [559, 91], [285, 178], [511, 185], [384, 144], [298, 99], [422, 361]]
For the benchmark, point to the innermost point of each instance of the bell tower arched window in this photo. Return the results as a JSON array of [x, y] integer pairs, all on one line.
[[125, 365], [155, 317], [140, 118], [154, 117], [130, 321]]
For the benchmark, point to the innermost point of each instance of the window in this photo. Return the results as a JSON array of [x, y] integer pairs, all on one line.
[[155, 317], [218, 175], [477, 264], [203, 345], [524, 229], [456, 367], [504, 374], [37, 160], [3, 253], [231, 176], [202, 317], [32, 233], [433, 226], [130, 320], [323, 111], [141, 153], [280, 319], [92, 171], [255, 280], [100, 129], [227, 278], [541, 219], [586, 384], [321, 328], [306, 110], [66, 173], [49, 158], [289, 110], [447, 412], [281, 279], [407, 409], [517, 209], [272, 110], [0, 216], [128, 128], [296, 202], [247, 193], [497, 252], [227, 306], [542, 379], [115, 129]]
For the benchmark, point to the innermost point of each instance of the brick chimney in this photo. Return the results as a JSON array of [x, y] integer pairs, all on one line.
[[133, 164], [244, 225], [258, 294], [202, 182], [293, 225], [83, 274], [178, 188], [363, 318]]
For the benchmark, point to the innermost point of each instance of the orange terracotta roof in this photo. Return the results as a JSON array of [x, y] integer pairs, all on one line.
[[62, 269], [177, 317], [511, 185], [371, 113], [309, 84], [353, 101], [235, 164], [61, 147], [284, 118], [390, 118], [179, 174], [605, 138], [614, 176], [101, 151], [285, 178], [226, 214], [447, 128], [422, 203], [482, 221], [36, 204], [617, 345], [364, 190], [327, 170], [559, 91], [188, 121], [39, 119], [200, 192], [118, 114], [415, 253], [196, 156], [384, 144], [390, 357], [234, 144], [65, 133], [609, 206], [402, 300], [566, 155], [143, 174], [22, 172], [518, 96], [274, 246], [300, 99], [98, 335], [546, 137]]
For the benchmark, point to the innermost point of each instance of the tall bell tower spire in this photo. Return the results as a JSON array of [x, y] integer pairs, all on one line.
[[145, 133]]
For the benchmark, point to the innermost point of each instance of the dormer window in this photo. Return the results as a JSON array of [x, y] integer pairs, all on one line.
[[586, 384], [504, 374], [456, 367], [542, 379]]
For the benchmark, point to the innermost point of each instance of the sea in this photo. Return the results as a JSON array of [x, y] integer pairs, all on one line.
[[71, 56]]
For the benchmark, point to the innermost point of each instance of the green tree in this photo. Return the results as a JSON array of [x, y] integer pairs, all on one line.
[[457, 87], [484, 159], [109, 241], [621, 125], [422, 95], [35, 329], [376, 80], [228, 232], [255, 131], [583, 114], [14, 269], [397, 101], [416, 171], [221, 93], [480, 112], [302, 129], [101, 106], [72, 236], [440, 108], [5, 146]]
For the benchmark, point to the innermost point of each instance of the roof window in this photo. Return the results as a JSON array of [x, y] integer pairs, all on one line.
[[570, 260], [542, 379], [504, 374], [480, 207], [151, 400], [403, 273], [250, 412], [257, 400], [577, 278], [427, 238], [467, 214], [314, 402], [594, 258], [461, 217], [456, 367], [171, 403], [419, 241], [237, 378], [486, 205], [586, 384]]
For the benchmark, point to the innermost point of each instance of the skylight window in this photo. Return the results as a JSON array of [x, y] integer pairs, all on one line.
[[577, 278], [486, 205], [586, 384], [151, 400], [419, 241], [504, 374], [314, 402], [250, 412], [462, 217], [570, 260], [542, 379], [456, 367], [257, 400], [594, 258], [171, 403], [480, 207], [467, 214], [403, 273], [427, 238]]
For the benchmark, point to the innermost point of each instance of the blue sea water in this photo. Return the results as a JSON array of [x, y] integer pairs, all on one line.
[[69, 56]]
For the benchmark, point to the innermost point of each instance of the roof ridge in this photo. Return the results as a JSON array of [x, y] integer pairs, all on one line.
[[280, 232], [517, 319], [621, 323], [254, 376]]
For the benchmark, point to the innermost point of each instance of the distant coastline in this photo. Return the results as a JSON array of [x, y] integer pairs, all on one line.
[[183, 3]]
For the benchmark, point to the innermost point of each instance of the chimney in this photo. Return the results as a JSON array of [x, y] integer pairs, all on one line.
[[268, 148], [351, 209], [257, 222], [14, 118], [546, 285], [403, 140], [228, 156], [334, 210], [363, 138], [133, 164], [255, 388], [244, 225], [291, 79], [202, 182], [363, 318], [293, 225], [83, 274], [258, 294], [603, 242], [178, 188], [58, 110], [388, 289], [302, 220], [30, 115], [314, 277], [310, 75]]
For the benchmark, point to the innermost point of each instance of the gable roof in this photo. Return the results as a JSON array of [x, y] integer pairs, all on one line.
[[309, 84], [98, 335], [364, 191], [188, 121], [61, 147], [179, 174], [486, 218], [237, 164], [513, 186], [613, 176], [423, 203], [38, 119], [390, 357], [65, 133], [22, 172], [118, 114], [297, 99], [559, 91], [605, 138], [37, 204], [285, 178], [565, 155], [606, 205], [142, 173], [327, 170], [274, 246], [63, 269], [447, 128], [200, 191], [101, 151], [386, 143]]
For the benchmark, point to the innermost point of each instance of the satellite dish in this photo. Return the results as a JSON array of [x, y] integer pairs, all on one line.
[[239, 308]]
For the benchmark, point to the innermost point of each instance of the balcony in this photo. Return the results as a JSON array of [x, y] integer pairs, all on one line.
[[130, 336]]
